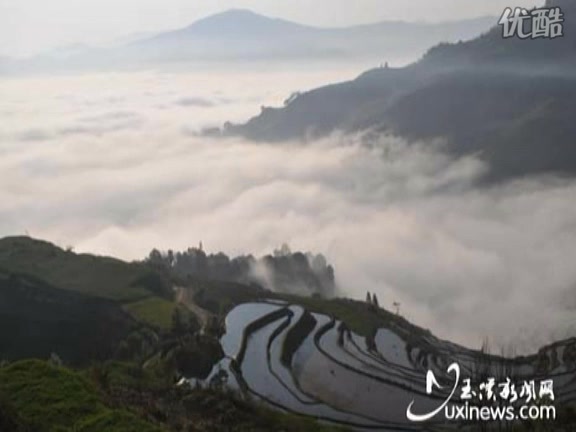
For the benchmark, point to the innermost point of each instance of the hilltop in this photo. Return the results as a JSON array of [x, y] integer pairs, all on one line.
[[97, 276], [80, 307]]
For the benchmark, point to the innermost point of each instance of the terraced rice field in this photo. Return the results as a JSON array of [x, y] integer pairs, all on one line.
[[312, 364]]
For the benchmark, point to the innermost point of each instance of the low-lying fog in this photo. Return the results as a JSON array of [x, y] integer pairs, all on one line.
[[111, 164]]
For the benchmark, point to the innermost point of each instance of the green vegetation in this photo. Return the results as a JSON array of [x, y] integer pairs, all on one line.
[[48, 398], [155, 311], [118, 374], [92, 275], [358, 316], [237, 414], [286, 269], [123, 397], [221, 297], [84, 308], [37, 319], [362, 318], [116, 420]]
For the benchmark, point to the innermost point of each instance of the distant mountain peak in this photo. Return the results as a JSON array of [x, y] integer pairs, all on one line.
[[239, 16], [237, 22], [238, 12], [230, 15]]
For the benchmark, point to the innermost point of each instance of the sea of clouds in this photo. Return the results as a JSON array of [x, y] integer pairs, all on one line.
[[113, 164]]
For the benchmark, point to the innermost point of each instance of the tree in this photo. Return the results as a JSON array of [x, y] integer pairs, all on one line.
[[292, 98], [375, 301], [368, 297], [284, 251], [178, 322], [156, 258]]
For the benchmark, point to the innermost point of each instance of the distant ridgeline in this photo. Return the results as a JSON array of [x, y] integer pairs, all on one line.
[[283, 271], [508, 101]]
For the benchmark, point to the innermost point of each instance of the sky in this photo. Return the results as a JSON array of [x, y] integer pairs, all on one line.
[[32, 26]]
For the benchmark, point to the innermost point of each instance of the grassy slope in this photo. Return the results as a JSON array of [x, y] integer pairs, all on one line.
[[220, 298], [38, 396], [78, 306], [155, 311], [37, 319], [145, 293], [48, 398], [92, 275], [128, 283]]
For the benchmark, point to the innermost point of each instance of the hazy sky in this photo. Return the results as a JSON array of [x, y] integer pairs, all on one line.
[[28, 26]]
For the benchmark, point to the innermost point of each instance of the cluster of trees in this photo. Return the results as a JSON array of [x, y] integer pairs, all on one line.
[[283, 271], [372, 300]]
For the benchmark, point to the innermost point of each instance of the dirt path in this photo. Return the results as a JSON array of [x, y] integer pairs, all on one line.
[[183, 297]]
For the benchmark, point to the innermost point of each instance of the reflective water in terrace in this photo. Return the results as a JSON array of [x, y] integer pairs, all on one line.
[[327, 372]]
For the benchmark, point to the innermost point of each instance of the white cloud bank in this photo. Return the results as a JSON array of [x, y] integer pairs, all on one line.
[[108, 164]]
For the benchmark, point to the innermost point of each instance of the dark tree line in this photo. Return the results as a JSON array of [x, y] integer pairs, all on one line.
[[283, 271], [372, 300]]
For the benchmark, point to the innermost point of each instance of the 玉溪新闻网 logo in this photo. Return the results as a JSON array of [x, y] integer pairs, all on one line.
[[489, 400]]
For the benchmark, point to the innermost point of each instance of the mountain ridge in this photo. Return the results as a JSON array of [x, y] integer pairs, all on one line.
[[245, 36], [506, 100], [238, 21]]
